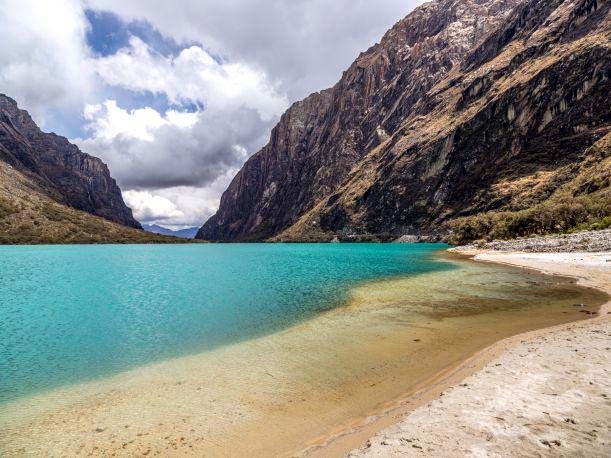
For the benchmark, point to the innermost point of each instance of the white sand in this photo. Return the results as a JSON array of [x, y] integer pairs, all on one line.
[[547, 395], [196, 406]]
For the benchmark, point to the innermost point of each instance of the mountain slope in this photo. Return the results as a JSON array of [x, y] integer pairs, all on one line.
[[29, 216], [59, 168], [464, 107]]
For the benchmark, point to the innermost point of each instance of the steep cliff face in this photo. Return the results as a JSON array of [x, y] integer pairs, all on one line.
[[59, 168], [460, 104], [319, 140], [29, 216]]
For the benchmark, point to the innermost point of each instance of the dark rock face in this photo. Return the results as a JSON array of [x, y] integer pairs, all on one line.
[[59, 168], [460, 104]]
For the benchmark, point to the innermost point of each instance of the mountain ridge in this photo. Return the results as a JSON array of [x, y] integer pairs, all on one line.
[[59, 168], [187, 233], [438, 121], [52, 193], [29, 216]]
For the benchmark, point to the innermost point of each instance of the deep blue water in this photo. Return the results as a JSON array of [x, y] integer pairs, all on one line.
[[74, 313]]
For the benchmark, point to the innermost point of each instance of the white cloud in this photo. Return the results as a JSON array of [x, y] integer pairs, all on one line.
[[196, 203], [43, 56], [107, 121], [149, 207], [146, 150], [192, 76], [304, 44], [186, 157], [180, 206]]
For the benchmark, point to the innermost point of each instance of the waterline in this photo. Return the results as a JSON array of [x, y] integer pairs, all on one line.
[[278, 392]]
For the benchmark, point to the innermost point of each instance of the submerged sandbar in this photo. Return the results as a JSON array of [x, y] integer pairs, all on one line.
[[281, 393]]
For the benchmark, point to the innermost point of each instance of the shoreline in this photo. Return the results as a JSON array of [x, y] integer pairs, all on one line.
[[373, 431], [110, 418]]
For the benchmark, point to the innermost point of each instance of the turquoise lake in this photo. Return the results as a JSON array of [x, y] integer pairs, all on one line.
[[75, 313]]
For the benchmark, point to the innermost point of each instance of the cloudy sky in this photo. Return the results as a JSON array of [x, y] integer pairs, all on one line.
[[174, 95]]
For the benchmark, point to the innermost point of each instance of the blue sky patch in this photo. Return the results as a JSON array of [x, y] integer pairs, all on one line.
[[132, 100], [109, 33]]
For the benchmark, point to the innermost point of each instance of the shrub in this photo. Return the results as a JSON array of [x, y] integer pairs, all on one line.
[[53, 212], [560, 214], [7, 208]]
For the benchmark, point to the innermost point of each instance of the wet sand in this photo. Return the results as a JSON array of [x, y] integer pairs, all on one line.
[[543, 393], [304, 388]]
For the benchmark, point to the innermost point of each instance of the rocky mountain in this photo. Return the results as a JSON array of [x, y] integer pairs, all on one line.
[[188, 233], [29, 216], [465, 107], [58, 168]]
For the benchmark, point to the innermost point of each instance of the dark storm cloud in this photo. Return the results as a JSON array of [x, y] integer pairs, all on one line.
[[303, 44], [177, 156]]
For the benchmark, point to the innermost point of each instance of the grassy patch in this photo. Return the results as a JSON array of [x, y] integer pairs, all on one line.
[[560, 214], [53, 212], [7, 208]]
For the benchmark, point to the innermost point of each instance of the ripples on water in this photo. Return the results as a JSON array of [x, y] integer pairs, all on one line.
[[71, 313], [74, 313]]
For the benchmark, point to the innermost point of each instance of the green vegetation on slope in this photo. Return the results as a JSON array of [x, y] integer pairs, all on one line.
[[28, 216], [574, 198], [561, 214], [6, 208]]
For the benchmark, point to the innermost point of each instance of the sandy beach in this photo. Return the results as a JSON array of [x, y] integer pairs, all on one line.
[[324, 387], [301, 388], [543, 393]]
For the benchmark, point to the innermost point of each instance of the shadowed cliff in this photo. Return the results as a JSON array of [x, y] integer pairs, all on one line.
[[59, 168], [465, 107]]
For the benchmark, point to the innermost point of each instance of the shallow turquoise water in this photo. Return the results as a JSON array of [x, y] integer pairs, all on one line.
[[74, 313]]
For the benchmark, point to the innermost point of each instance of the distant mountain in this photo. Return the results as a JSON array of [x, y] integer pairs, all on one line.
[[497, 110], [58, 168], [188, 233]]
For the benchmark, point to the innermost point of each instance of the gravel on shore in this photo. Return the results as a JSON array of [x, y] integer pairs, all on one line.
[[590, 241]]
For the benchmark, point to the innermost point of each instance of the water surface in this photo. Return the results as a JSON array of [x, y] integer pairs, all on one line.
[[240, 350], [73, 313]]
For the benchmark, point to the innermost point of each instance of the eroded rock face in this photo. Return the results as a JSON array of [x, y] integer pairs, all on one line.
[[459, 101], [59, 168]]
